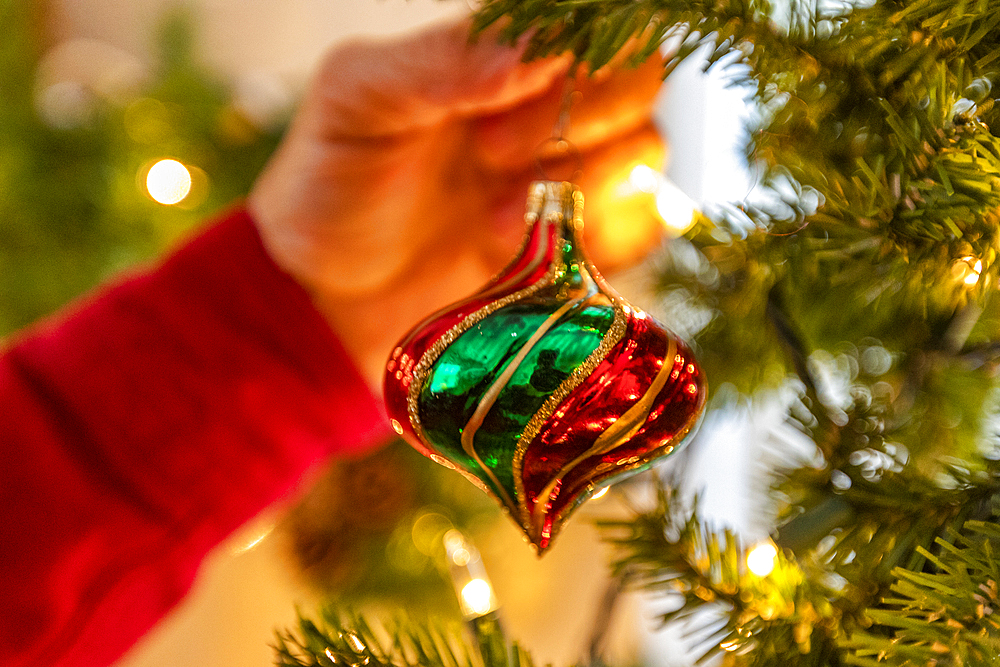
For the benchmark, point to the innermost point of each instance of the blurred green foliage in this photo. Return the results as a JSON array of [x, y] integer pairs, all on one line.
[[73, 210], [370, 531]]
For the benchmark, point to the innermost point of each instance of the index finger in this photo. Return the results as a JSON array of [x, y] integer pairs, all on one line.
[[384, 87]]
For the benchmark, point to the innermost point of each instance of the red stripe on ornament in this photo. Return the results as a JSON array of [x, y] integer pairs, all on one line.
[[616, 385]]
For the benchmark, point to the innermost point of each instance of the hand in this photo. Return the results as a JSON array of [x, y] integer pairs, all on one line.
[[401, 184]]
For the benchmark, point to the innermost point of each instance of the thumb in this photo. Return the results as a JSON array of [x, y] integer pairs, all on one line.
[[372, 88]]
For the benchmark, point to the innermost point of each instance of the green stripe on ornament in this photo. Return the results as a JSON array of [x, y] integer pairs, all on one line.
[[565, 347], [466, 370]]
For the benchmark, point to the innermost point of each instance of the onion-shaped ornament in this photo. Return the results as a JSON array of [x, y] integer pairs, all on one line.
[[545, 385]]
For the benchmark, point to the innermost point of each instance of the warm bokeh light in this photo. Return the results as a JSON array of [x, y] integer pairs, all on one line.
[[761, 559], [977, 269], [468, 576], [168, 182], [477, 597], [644, 179], [676, 208]]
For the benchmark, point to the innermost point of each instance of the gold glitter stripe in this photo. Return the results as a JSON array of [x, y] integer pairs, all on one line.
[[536, 259], [538, 206], [423, 367], [491, 395], [624, 427], [536, 194], [579, 374], [638, 461]]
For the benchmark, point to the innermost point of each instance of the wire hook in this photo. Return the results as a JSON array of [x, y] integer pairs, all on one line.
[[558, 146]]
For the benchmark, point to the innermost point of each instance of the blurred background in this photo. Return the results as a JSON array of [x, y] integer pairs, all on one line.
[[123, 126]]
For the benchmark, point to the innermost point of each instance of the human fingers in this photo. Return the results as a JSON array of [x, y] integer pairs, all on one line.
[[380, 87], [621, 227], [606, 104]]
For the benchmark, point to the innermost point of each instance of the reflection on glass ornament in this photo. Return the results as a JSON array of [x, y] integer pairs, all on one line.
[[546, 385]]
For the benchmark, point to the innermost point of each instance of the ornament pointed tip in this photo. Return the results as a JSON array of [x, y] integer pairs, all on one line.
[[538, 549], [538, 543]]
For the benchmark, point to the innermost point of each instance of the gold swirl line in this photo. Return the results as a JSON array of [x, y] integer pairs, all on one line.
[[624, 427], [491, 395], [423, 367], [579, 374], [431, 354]]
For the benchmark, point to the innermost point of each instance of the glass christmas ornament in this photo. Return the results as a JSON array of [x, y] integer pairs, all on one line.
[[545, 385]]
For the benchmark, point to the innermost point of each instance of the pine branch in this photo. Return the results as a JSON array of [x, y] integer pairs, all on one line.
[[784, 614], [349, 640], [945, 616], [595, 31]]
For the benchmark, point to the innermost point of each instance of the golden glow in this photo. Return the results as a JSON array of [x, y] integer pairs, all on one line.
[[477, 597], [968, 269], [461, 557], [354, 642], [168, 182], [457, 548], [644, 179], [977, 268], [761, 559], [676, 208]]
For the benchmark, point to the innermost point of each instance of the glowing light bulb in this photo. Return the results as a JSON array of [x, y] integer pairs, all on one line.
[[761, 559], [477, 597], [968, 269], [675, 207], [168, 182], [461, 557], [973, 277], [644, 179]]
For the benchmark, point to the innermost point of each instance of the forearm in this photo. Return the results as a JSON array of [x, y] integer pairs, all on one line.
[[146, 426]]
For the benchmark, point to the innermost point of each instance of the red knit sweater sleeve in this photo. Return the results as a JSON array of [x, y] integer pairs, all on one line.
[[142, 428]]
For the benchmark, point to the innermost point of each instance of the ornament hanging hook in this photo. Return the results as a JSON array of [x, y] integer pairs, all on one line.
[[558, 147], [565, 106]]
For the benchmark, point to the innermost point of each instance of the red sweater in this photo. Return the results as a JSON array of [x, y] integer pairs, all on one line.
[[141, 429]]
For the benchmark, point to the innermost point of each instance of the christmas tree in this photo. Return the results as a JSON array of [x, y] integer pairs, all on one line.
[[858, 286]]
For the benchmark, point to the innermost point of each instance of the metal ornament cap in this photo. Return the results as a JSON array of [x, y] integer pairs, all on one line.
[[545, 385]]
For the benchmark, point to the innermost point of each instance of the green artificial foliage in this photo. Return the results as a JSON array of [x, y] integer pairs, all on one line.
[[785, 614], [350, 641], [944, 616], [860, 279]]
